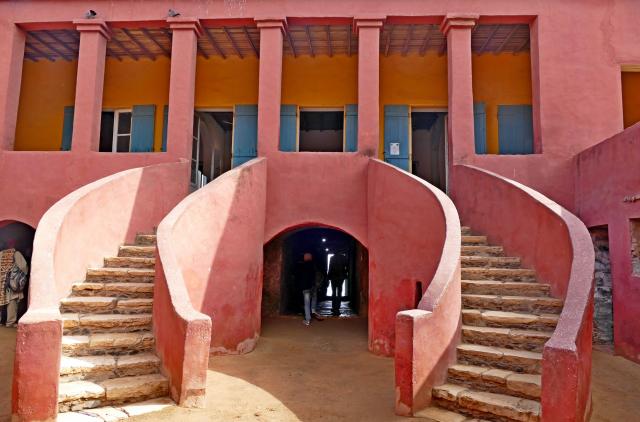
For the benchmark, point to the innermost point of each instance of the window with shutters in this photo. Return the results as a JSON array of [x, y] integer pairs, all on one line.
[[115, 131], [515, 129]]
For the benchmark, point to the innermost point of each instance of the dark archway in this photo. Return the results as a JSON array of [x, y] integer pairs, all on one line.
[[281, 293], [19, 236]]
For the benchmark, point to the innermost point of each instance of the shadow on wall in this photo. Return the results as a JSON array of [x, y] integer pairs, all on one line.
[[19, 236]]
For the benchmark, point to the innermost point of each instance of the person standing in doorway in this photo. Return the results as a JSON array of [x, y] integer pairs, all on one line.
[[338, 272], [13, 274], [307, 279]]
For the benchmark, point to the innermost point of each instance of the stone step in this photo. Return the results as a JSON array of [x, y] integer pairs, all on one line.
[[101, 305], [480, 318], [107, 343], [137, 251], [129, 262], [465, 230], [521, 361], [498, 381], [143, 239], [503, 274], [114, 413], [438, 414], [474, 240], [510, 338], [505, 288], [481, 250], [118, 290], [77, 395], [97, 323], [120, 275], [490, 261], [482, 404], [102, 367], [533, 305]]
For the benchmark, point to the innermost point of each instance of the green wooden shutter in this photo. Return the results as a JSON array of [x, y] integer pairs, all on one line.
[[480, 128], [288, 127], [515, 129], [245, 134], [143, 122], [396, 131], [67, 129], [351, 128], [165, 125]]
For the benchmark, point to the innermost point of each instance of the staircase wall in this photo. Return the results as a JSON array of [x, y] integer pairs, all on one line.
[[76, 233], [607, 179], [557, 245]]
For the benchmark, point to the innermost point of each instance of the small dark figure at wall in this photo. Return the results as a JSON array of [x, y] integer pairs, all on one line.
[[14, 272], [338, 272]]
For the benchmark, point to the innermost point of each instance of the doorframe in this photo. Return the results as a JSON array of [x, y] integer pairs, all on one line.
[[421, 109], [320, 109]]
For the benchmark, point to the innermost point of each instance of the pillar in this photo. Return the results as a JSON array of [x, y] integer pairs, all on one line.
[[457, 30], [182, 85], [269, 85], [11, 58], [368, 85], [94, 35]]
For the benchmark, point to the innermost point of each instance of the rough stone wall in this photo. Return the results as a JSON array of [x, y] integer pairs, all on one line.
[[273, 260], [635, 246], [603, 303]]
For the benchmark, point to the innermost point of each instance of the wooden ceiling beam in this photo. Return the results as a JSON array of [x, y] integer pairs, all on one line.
[[425, 42], [488, 40], [521, 46], [149, 35], [123, 48], [407, 40], [388, 42], [306, 30], [233, 42], [293, 47], [349, 41], [141, 46], [49, 46], [39, 52], [214, 43], [62, 43], [329, 41], [253, 46]]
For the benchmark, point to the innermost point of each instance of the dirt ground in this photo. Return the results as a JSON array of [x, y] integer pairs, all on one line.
[[325, 373]]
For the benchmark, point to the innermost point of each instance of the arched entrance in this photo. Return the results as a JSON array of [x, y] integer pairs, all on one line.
[[282, 293], [18, 236]]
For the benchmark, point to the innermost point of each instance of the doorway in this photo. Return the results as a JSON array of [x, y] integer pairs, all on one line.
[[321, 130], [429, 147], [344, 298], [211, 152]]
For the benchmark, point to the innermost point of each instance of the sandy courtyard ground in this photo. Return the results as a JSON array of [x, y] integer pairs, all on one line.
[[324, 373]]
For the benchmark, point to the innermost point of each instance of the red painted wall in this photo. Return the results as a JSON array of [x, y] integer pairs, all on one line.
[[605, 175]]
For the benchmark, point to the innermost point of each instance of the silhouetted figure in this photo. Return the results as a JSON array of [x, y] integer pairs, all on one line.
[[308, 277], [338, 272]]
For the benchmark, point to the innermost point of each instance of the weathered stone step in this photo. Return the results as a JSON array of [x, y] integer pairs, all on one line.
[[486, 405], [98, 368], [474, 240], [504, 319], [120, 275], [113, 413], [100, 304], [465, 230], [481, 250], [511, 338], [490, 261], [437, 414], [137, 251], [129, 262], [534, 305], [498, 381], [504, 274], [121, 290], [96, 323], [505, 288], [77, 395], [145, 239], [488, 356], [107, 343]]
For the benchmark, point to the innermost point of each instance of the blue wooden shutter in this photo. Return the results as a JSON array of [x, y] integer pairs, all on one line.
[[288, 127], [245, 134], [480, 128], [143, 121], [351, 128], [396, 130], [515, 129], [67, 129], [165, 125]]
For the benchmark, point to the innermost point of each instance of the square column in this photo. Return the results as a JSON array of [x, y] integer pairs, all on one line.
[[182, 85], [11, 59], [368, 85], [94, 35], [270, 85], [457, 29]]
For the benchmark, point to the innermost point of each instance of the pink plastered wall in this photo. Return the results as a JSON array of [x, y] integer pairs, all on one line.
[[607, 178]]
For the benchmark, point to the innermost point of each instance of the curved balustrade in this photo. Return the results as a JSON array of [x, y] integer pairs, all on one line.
[[557, 245]]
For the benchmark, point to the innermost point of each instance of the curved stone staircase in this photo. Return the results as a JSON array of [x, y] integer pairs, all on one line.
[[108, 369], [507, 317]]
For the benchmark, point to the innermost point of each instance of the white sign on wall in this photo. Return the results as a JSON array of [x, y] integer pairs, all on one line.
[[394, 148]]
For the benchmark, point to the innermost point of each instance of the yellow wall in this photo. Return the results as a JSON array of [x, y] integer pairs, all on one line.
[[503, 79], [630, 98], [225, 83], [47, 87]]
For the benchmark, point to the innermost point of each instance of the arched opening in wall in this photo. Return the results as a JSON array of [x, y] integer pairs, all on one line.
[[16, 242], [340, 282]]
